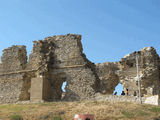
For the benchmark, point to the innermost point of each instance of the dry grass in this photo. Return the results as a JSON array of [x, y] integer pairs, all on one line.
[[67, 110]]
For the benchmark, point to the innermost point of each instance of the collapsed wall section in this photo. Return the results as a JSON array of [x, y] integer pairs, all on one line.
[[126, 73], [149, 71]]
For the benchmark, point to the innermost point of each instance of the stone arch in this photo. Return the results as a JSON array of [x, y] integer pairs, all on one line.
[[56, 85], [118, 89], [109, 83], [129, 87]]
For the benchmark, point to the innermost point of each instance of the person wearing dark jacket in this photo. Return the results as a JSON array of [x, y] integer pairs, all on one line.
[[122, 93]]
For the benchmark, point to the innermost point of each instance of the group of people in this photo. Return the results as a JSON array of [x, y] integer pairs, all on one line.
[[123, 93]]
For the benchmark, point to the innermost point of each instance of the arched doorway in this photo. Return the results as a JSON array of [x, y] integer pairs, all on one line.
[[118, 89]]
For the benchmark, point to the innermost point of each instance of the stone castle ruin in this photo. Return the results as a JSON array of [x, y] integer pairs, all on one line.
[[60, 59]]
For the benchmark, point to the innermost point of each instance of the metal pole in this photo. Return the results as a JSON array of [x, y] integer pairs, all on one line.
[[138, 78]]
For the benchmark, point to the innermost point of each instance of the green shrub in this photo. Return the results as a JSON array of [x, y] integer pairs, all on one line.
[[56, 118], [155, 109], [127, 114], [16, 117], [142, 113]]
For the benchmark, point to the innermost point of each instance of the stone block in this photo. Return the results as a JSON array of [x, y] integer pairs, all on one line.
[[36, 89], [154, 100]]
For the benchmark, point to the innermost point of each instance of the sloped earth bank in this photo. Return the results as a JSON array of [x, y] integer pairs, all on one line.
[[66, 110]]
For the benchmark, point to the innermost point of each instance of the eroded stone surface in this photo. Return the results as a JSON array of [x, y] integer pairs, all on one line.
[[56, 60], [108, 77], [59, 59], [125, 72], [14, 59]]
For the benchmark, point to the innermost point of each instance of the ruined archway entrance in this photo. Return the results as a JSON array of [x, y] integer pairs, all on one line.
[[129, 88], [58, 83], [118, 89]]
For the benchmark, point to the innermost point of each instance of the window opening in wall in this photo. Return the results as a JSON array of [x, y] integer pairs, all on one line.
[[64, 86], [118, 89], [63, 89]]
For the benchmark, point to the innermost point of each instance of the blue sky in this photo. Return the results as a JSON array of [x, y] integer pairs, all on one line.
[[110, 29]]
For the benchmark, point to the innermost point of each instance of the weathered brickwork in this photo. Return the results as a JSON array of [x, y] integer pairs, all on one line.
[[14, 60], [60, 59], [125, 72]]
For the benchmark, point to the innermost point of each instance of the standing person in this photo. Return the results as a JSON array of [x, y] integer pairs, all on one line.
[[115, 93], [127, 92], [123, 93]]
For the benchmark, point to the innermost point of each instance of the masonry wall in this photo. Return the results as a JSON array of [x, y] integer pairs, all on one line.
[[125, 72], [60, 59], [14, 60], [82, 81], [108, 76]]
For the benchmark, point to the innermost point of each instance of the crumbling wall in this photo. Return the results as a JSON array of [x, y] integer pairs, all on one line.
[[108, 77], [40, 60], [14, 60], [126, 72], [26, 85], [53, 61], [150, 77], [59, 59], [62, 59], [149, 71], [82, 81]]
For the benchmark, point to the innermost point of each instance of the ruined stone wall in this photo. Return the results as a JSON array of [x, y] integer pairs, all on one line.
[[41, 60], [59, 59], [55, 59], [10, 87], [125, 72], [150, 77], [63, 60], [82, 81], [108, 77], [14, 60]]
